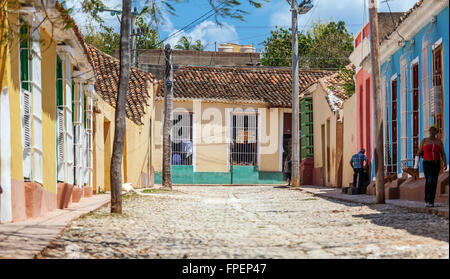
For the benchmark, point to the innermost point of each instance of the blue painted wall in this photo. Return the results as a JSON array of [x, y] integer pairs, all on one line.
[[439, 30]]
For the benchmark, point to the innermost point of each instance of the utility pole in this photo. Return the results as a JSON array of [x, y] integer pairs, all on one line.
[[302, 8], [378, 120], [133, 37], [168, 107], [295, 157]]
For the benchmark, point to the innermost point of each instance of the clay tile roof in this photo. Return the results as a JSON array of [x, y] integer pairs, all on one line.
[[334, 86], [270, 86], [65, 15], [107, 73], [400, 20]]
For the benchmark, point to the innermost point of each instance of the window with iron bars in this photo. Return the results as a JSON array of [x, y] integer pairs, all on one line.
[[436, 92], [182, 144], [391, 128], [244, 139], [415, 108]]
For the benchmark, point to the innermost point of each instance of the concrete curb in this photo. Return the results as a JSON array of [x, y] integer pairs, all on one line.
[[27, 239], [440, 211]]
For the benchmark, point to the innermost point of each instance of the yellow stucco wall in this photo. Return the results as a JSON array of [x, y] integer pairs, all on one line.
[[136, 155], [136, 152], [322, 113], [9, 74], [48, 70], [211, 150], [349, 139], [270, 142]]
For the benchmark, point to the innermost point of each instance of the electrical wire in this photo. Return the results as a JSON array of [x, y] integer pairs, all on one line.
[[191, 25], [393, 21]]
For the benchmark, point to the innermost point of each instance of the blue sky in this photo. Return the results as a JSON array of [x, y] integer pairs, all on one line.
[[258, 22]]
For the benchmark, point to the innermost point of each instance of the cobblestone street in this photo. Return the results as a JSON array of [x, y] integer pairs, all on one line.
[[251, 222]]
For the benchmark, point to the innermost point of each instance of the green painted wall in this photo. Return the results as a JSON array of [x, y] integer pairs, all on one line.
[[244, 175], [239, 175]]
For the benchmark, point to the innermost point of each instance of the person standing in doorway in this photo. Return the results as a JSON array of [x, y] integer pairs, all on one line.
[[287, 169], [432, 150], [357, 163]]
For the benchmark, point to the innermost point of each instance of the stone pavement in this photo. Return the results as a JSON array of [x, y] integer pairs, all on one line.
[[440, 209], [24, 240], [251, 222]]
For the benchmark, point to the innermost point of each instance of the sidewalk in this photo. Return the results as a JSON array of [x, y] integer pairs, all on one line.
[[440, 209], [24, 240]]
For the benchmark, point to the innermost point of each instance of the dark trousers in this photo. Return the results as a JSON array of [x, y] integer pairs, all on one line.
[[357, 175], [431, 171]]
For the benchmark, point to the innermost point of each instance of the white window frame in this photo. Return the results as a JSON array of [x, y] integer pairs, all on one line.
[[247, 111], [414, 62], [32, 149], [404, 127], [65, 54]]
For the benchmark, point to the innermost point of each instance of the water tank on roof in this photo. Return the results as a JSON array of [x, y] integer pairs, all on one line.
[[226, 49], [247, 49]]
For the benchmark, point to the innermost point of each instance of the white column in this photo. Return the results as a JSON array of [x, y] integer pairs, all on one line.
[[5, 158]]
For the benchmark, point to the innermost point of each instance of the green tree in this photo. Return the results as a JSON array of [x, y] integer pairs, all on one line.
[[148, 38], [278, 48], [331, 45], [106, 40], [324, 46], [185, 43]]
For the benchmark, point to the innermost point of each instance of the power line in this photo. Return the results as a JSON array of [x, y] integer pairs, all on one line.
[[190, 25], [393, 21]]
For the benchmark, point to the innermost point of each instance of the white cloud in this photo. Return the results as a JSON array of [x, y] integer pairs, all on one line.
[[82, 19], [208, 32], [353, 12]]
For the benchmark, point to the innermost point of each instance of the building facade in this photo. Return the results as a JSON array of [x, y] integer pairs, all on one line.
[[415, 95], [415, 82], [230, 124], [328, 98], [360, 57], [47, 92], [137, 153]]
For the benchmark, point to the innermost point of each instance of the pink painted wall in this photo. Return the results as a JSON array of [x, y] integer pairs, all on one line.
[[364, 112]]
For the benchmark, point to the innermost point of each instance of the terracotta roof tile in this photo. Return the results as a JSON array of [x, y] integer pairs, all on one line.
[[334, 86], [400, 21], [239, 84], [107, 73]]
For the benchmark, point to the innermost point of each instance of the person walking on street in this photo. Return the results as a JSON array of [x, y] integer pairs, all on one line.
[[287, 169], [357, 163], [432, 151]]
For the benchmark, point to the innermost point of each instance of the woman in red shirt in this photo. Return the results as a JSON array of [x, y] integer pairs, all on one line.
[[432, 151]]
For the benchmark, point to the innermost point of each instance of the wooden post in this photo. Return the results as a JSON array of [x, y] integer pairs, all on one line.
[[168, 107], [120, 123], [133, 38], [295, 170], [376, 91]]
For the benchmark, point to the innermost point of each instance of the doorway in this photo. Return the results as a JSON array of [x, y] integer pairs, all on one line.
[[328, 152], [287, 136], [106, 154]]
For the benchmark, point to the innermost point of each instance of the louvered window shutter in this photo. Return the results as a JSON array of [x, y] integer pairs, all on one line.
[[69, 152], [37, 107], [26, 133], [86, 159], [78, 143], [60, 118], [60, 134], [89, 131]]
